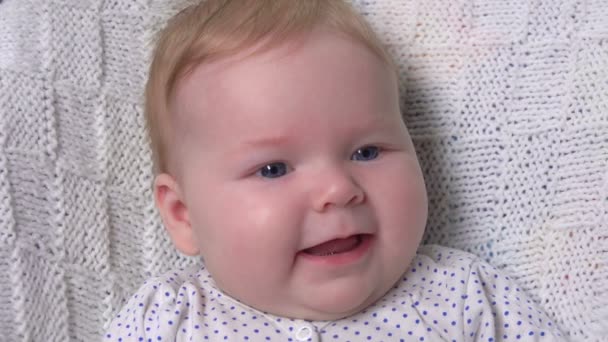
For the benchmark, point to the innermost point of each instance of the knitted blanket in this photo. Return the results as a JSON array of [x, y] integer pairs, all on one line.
[[506, 100]]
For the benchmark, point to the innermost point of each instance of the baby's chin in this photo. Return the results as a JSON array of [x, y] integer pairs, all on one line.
[[338, 309], [330, 305]]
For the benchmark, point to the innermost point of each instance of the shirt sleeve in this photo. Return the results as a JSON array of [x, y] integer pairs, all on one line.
[[151, 314], [497, 309]]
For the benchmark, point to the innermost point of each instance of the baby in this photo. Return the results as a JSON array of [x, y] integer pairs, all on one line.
[[283, 161]]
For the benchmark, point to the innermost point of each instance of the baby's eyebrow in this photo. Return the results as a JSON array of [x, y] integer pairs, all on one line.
[[267, 141], [256, 143]]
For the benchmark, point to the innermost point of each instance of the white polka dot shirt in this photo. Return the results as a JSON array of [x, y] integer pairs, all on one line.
[[446, 295]]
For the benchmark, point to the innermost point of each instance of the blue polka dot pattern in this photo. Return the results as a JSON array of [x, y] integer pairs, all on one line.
[[446, 295]]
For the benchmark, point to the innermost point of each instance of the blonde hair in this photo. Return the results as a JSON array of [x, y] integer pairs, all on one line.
[[215, 29]]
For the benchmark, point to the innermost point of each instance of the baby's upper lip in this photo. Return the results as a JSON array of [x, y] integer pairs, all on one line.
[[339, 228], [334, 237]]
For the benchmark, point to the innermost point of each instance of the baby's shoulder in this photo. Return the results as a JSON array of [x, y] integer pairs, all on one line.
[[434, 263], [187, 305], [446, 256], [472, 294], [457, 271], [172, 287], [164, 303], [443, 261]]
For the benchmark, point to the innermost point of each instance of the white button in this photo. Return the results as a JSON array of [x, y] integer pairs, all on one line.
[[304, 333]]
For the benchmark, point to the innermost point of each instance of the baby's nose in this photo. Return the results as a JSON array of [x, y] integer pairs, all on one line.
[[336, 187]]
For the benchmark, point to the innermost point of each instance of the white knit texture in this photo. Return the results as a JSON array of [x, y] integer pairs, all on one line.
[[506, 100]]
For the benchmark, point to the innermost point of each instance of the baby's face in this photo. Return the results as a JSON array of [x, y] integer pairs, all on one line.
[[299, 177]]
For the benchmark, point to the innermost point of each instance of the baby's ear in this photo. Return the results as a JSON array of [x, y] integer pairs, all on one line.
[[174, 213]]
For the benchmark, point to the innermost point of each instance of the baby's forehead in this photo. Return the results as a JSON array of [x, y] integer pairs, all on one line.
[[214, 75], [273, 50], [286, 76], [205, 79]]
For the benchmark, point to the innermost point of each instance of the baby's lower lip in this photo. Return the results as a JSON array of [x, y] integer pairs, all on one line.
[[347, 257]]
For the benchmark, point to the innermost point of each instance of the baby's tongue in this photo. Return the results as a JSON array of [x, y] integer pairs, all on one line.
[[334, 246]]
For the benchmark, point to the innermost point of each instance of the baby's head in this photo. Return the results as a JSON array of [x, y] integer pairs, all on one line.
[[281, 155]]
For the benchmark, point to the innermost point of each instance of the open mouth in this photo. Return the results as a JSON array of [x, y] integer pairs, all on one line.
[[337, 246]]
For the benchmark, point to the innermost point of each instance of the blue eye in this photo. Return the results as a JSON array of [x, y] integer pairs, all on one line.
[[366, 153], [273, 170]]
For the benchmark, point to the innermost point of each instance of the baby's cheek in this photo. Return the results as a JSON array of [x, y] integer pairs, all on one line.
[[404, 212], [259, 231], [404, 190]]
